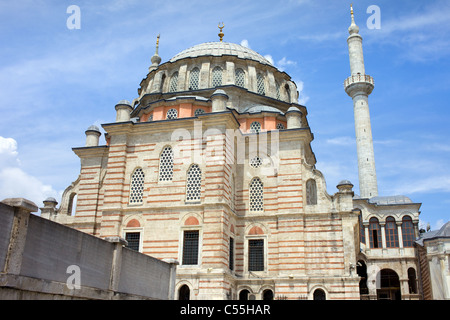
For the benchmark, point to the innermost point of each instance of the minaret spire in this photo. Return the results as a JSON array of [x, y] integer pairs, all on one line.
[[156, 59], [359, 86]]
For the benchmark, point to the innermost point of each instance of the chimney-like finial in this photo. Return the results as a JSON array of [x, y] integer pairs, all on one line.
[[221, 34]]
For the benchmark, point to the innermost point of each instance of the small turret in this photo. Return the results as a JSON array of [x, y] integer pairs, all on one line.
[[123, 109], [92, 136], [294, 118]]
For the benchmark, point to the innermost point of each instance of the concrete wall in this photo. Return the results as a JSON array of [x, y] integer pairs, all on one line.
[[41, 259]]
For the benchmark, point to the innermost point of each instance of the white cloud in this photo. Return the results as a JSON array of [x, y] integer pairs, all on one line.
[[244, 43], [342, 141], [269, 58], [281, 64], [16, 183]]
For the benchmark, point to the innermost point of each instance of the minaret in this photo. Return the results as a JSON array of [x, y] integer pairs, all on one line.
[[359, 86]]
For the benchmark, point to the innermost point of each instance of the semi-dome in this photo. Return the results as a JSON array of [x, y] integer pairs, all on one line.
[[219, 49], [261, 108]]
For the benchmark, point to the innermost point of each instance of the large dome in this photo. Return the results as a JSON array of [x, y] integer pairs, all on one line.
[[218, 49]]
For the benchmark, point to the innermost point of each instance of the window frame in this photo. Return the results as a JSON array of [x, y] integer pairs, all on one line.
[[408, 234], [134, 230], [130, 193], [392, 240], [183, 246], [262, 240], [160, 162], [199, 198], [379, 241], [250, 195]]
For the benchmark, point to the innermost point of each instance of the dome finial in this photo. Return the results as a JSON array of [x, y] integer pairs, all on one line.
[[156, 59], [221, 34]]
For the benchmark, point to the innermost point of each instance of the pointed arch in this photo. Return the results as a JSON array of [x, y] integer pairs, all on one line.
[[166, 164], [137, 186]]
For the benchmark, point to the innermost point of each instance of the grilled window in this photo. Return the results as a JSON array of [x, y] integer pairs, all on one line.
[[217, 77], [255, 162], [190, 247], [173, 82], [137, 186], [166, 164], [194, 79], [133, 239], [256, 195], [194, 182], [260, 84], [280, 126], [172, 114], [198, 112], [255, 127], [256, 255], [239, 77]]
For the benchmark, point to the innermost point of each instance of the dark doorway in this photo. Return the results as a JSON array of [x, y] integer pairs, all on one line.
[[319, 294], [184, 293], [389, 285], [268, 294], [243, 295]]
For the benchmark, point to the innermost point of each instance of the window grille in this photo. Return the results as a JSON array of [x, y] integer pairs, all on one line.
[[311, 192], [133, 239], [198, 112], [277, 90], [255, 162], [172, 114], [407, 232], [260, 84], [391, 233], [190, 247], [256, 195], [280, 126], [255, 127], [194, 79], [166, 165], [173, 82], [217, 77], [231, 264], [256, 255], [239, 78], [137, 186], [194, 182], [150, 117]]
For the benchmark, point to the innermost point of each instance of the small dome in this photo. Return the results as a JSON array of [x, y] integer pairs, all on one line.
[[50, 199], [125, 102], [93, 128], [219, 92], [344, 182], [261, 108], [389, 200]]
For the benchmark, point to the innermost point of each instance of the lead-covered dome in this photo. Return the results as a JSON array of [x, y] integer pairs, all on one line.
[[219, 49]]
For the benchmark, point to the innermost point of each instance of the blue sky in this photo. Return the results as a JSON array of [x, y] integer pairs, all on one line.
[[55, 82]]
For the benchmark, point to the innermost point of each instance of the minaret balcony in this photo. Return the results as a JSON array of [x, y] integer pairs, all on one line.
[[359, 82]]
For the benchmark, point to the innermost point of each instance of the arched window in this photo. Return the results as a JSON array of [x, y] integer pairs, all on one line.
[[277, 90], [173, 82], [255, 127], [374, 233], [319, 294], [194, 79], [256, 191], [194, 183], [408, 232], [72, 208], [166, 164], [184, 293], [172, 114], [199, 111], [311, 192], [239, 78], [412, 282], [216, 77], [260, 86], [391, 233], [137, 186]]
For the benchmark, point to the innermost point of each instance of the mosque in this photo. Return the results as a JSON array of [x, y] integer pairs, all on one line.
[[212, 165]]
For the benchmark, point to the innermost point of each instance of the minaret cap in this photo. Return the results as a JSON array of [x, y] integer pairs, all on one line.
[[353, 27]]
